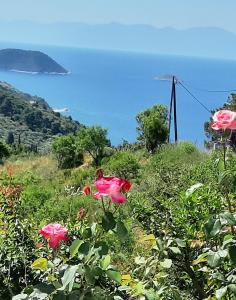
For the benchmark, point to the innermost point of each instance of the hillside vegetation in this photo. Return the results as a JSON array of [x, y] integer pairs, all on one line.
[[31, 120], [90, 221], [163, 242]]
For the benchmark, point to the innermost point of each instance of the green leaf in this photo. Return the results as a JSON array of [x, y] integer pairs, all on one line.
[[40, 264], [180, 243], [201, 258], [103, 248], [221, 292], [228, 218], [20, 297], [221, 165], [105, 262], [232, 253], [75, 247], [193, 188], [108, 221], [87, 233], [114, 275], [213, 259], [59, 296], [121, 231], [175, 250], [166, 264], [84, 248], [232, 288], [212, 227], [68, 278], [89, 275], [222, 253]]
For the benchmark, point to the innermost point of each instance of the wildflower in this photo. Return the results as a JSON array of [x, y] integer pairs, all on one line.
[[112, 187], [224, 119], [81, 213], [86, 190], [54, 233]]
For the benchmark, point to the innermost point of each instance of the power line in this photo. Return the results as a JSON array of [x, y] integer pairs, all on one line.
[[210, 91], [195, 98]]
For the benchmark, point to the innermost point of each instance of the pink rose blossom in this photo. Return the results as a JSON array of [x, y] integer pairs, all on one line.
[[224, 119], [112, 187], [54, 233]]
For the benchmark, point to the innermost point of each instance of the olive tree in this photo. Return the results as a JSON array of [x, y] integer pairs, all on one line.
[[93, 140], [66, 152], [153, 126]]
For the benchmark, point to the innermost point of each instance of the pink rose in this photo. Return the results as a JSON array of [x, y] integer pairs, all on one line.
[[112, 187], [54, 233], [224, 119]]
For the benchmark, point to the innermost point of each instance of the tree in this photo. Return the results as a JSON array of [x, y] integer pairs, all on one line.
[[10, 138], [66, 152], [4, 151], [153, 126], [214, 135], [93, 140]]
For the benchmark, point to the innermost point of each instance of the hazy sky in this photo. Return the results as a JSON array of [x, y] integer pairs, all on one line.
[[160, 13]]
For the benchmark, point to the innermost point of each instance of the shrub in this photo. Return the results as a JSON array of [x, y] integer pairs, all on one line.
[[93, 140], [123, 164], [67, 154], [153, 126]]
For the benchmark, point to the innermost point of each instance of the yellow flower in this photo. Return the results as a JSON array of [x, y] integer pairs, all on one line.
[[150, 238], [125, 279]]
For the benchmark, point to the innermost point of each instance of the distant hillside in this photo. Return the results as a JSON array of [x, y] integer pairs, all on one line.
[[30, 118], [29, 61], [201, 41]]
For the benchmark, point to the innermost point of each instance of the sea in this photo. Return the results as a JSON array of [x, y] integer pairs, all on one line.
[[109, 88]]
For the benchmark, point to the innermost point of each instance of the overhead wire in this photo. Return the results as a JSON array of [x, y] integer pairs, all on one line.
[[194, 97], [209, 91]]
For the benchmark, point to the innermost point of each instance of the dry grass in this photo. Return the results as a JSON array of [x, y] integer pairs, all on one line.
[[42, 165]]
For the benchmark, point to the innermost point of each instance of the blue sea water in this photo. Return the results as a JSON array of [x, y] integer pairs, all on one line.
[[109, 88]]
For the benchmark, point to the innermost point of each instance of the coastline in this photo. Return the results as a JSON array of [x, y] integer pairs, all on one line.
[[35, 73]]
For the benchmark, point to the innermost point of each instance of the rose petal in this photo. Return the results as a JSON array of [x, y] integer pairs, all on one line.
[[118, 198]]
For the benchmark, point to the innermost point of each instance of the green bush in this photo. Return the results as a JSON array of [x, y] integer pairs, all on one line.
[[123, 164], [66, 152], [93, 140]]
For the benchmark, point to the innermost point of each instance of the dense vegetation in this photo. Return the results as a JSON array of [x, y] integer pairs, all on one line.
[[171, 239], [29, 61], [147, 221], [28, 120]]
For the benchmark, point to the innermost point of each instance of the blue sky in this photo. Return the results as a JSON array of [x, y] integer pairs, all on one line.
[[160, 13]]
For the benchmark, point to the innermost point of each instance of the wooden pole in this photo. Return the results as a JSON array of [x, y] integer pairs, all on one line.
[[170, 113], [175, 110]]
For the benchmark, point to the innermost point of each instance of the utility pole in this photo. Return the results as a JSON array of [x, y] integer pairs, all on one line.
[[175, 110], [173, 105]]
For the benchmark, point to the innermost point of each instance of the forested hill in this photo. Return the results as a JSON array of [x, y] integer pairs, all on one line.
[[29, 61], [30, 119]]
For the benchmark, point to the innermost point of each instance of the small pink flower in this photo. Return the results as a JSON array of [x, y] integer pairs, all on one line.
[[224, 119], [112, 187], [54, 233]]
